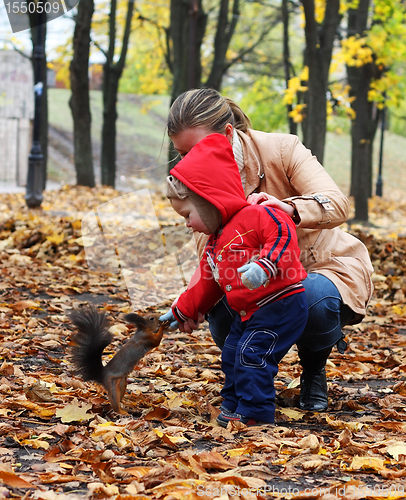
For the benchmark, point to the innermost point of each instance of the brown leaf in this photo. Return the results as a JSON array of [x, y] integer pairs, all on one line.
[[158, 414], [12, 479], [213, 460], [39, 392]]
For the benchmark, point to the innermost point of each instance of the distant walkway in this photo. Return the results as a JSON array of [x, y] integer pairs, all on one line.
[[11, 187]]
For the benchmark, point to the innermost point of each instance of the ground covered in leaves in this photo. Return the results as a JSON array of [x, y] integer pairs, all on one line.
[[59, 437]]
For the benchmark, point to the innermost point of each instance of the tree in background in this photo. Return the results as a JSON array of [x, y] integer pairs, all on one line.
[[287, 63], [112, 71], [376, 42], [186, 32], [191, 29], [80, 98], [320, 32]]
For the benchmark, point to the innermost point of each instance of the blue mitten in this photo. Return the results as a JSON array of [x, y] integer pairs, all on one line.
[[252, 275], [170, 317]]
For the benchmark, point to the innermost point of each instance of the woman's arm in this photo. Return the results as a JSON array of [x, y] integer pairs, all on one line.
[[319, 202]]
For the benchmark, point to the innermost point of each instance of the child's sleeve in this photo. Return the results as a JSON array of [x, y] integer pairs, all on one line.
[[201, 295]]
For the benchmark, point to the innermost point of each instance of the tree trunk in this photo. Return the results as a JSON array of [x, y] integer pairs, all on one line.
[[286, 60], [364, 126], [318, 52], [224, 33], [111, 76], [186, 31], [80, 98], [109, 132], [187, 27]]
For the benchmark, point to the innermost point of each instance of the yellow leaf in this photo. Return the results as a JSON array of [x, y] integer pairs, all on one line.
[[396, 449], [55, 238], [36, 443], [172, 439], [74, 413], [237, 452], [121, 441], [304, 75], [373, 463], [400, 310], [293, 414]]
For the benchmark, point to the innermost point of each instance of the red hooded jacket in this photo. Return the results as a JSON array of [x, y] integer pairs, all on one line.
[[248, 233]]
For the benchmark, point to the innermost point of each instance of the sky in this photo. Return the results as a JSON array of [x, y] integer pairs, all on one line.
[[58, 31]]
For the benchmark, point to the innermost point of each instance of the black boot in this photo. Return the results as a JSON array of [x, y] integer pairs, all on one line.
[[313, 383]]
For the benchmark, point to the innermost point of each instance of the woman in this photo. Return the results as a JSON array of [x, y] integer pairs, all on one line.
[[277, 170]]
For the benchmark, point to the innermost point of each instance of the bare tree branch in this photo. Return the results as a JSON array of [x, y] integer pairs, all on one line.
[[252, 47], [16, 48], [100, 48]]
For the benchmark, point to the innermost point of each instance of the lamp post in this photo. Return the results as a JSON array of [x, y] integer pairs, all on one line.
[[379, 181], [35, 177]]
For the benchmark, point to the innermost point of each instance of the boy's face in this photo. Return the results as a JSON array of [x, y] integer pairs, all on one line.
[[186, 209]]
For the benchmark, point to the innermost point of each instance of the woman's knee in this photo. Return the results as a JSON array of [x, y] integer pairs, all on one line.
[[323, 327]]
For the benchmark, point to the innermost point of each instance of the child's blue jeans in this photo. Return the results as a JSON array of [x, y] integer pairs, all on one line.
[[252, 352]]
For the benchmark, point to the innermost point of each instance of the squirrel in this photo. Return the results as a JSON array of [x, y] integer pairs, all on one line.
[[93, 336]]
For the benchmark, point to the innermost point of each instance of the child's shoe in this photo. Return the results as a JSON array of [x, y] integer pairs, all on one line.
[[226, 417]]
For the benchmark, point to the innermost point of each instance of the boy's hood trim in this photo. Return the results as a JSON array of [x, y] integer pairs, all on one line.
[[210, 170]]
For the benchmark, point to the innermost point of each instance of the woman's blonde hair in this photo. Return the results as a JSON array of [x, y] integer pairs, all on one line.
[[205, 108]]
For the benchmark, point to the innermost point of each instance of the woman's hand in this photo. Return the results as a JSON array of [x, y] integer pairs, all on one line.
[[269, 200]]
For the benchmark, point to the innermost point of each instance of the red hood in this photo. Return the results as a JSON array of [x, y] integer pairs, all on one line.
[[209, 169]]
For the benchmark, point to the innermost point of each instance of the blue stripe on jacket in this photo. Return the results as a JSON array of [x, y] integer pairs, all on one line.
[[277, 221]]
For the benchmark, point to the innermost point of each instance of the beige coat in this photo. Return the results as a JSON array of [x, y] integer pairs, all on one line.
[[280, 165]]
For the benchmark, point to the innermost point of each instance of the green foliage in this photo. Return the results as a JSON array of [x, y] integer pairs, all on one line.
[[145, 72], [338, 122], [263, 105], [397, 119]]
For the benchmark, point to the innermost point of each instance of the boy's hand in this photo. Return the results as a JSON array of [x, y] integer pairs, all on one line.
[[252, 275], [186, 327], [170, 317]]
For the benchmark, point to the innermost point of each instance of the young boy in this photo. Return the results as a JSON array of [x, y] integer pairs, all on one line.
[[252, 256]]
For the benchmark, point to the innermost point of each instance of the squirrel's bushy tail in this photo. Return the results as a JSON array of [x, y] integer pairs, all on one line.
[[90, 339]]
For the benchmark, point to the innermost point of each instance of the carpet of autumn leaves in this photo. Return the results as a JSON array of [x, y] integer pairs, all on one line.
[[59, 437]]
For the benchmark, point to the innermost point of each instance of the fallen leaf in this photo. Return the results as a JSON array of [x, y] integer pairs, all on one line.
[[72, 412]]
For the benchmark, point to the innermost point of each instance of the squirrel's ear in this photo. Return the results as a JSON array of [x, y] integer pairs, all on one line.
[[136, 319]]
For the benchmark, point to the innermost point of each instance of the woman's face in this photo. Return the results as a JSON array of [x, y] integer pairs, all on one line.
[[185, 140]]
